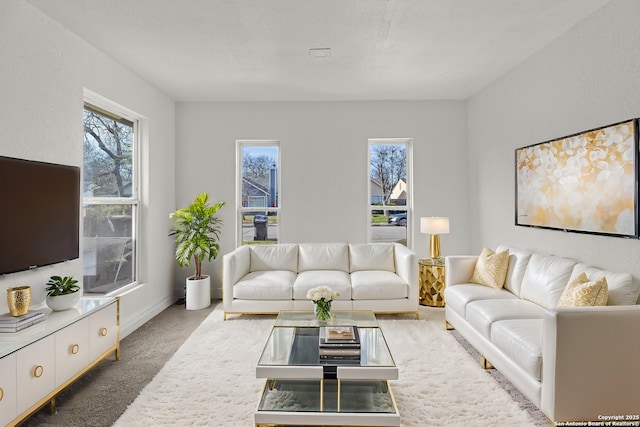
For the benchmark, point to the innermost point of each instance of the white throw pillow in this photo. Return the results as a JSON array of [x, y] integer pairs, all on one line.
[[372, 256]]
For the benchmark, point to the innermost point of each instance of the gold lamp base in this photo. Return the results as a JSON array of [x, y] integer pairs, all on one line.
[[19, 300], [434, 243]]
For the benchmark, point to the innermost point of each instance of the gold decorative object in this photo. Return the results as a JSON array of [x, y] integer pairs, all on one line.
[[19, 300], [75, 348], [431, 275], [103, 332]]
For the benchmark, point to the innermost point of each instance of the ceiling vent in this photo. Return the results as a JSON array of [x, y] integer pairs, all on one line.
[[320, 52]]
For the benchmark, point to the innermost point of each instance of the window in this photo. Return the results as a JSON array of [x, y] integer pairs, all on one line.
[[389, 201], [110, 198], [258, 198]]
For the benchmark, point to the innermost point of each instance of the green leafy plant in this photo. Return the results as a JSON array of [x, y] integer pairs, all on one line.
[[61, 286], [197, 230]]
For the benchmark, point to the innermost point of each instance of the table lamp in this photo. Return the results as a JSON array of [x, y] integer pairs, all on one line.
[[434, 225]]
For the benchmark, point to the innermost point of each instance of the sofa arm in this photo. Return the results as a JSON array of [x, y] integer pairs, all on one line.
[[407, 269], [235, 265], [590, 365], [459, 269]]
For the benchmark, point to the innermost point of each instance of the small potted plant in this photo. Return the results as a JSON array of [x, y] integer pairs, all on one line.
[[197, 230], [62, 293]]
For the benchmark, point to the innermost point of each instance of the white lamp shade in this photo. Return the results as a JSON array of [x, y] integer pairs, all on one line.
[[434, 225]]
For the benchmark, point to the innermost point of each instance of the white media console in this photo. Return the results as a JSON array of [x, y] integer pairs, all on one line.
[[37, 363]]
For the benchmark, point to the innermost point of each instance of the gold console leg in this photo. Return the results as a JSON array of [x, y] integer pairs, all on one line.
[[448, 326], [486, 365], [52, 406]]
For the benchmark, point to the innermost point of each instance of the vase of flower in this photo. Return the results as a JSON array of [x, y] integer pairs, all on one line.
[[322, 310], [322, 296]]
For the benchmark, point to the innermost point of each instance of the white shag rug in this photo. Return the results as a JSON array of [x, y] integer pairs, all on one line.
[[210, 380]]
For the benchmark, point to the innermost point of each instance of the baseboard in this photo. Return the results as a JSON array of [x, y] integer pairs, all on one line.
[[143, 317]]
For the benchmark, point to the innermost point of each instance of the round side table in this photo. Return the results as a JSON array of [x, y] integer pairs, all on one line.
[[431, 276]]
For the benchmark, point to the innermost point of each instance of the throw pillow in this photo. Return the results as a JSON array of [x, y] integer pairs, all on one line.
[[491, 268], [581, 292]]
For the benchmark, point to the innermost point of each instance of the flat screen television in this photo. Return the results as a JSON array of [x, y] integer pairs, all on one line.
[[39, 214]]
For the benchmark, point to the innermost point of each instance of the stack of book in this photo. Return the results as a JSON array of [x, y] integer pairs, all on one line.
[[9, 323], [339, 345]]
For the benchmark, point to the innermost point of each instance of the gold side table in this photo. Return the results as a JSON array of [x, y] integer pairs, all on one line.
[[431, 276]]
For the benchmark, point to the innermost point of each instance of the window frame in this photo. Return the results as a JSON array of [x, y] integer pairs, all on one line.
[[240, 144], [408, 143], [108, 108]]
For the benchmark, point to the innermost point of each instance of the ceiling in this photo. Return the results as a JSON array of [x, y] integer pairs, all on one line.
[[258, 50]]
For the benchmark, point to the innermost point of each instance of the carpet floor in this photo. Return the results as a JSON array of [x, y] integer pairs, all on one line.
[[210, 381], [102, 396]]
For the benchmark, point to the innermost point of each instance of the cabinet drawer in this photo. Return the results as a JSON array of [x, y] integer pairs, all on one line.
[[8, 392], [36, 372], [103, 333], [72, 350]]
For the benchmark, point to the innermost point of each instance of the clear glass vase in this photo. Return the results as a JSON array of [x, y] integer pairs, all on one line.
[[322, 310]]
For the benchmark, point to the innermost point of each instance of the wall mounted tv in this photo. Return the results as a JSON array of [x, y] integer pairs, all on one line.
[[39, 214]]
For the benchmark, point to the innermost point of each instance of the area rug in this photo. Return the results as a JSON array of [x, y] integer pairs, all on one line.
[[210, 380]]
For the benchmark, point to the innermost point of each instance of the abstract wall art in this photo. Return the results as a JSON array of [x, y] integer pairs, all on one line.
[[585, 182]]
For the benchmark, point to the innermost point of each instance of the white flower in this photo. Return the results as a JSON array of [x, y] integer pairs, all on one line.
[[322, 293]]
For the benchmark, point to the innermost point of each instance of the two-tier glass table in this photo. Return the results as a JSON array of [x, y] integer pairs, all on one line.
[[300, 390]]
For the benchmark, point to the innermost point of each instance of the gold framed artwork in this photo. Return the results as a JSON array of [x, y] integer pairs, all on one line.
[[587, 182]]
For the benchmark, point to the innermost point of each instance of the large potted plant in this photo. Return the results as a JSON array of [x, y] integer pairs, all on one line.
[[62, 293], [197, 231]]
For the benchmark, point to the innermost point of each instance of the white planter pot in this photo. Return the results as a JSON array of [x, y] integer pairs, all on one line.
[[63, 302], [198, 293]]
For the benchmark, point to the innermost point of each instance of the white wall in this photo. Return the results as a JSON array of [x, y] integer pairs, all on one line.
[[586, 78], [324, 164], [43, 73]]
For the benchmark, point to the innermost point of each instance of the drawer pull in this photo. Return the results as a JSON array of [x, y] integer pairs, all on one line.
[[75, 349], [1, 394], [38, 371], [103, 332]]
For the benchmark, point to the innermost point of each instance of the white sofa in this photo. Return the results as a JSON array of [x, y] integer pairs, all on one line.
[[575, 364], [382, 277]]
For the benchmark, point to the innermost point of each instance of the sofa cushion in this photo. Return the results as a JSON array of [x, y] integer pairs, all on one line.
[[458, 296], [274, 257], [491, 268], [545, 279], [482, 314], [265, 285], [621, 286], [371, 256], [521, 341], [518, 259], [368, 285], [336, 280], [581, 292], [323, 256]]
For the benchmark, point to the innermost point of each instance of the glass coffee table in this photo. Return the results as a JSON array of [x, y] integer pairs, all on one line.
[[300, 390]]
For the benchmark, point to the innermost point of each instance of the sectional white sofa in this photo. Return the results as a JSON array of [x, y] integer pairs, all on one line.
[[382, 277], [575, 364]]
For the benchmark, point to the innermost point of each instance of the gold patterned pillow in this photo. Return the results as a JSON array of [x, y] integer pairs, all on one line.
[[581, 292], [491, 268]]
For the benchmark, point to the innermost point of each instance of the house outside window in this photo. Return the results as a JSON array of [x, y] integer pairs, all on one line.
[[258, 199], [390, 200], [110, 197]]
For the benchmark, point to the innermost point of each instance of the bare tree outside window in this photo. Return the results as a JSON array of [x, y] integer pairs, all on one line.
[[388, 165], [109, 200], [389, 190]]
